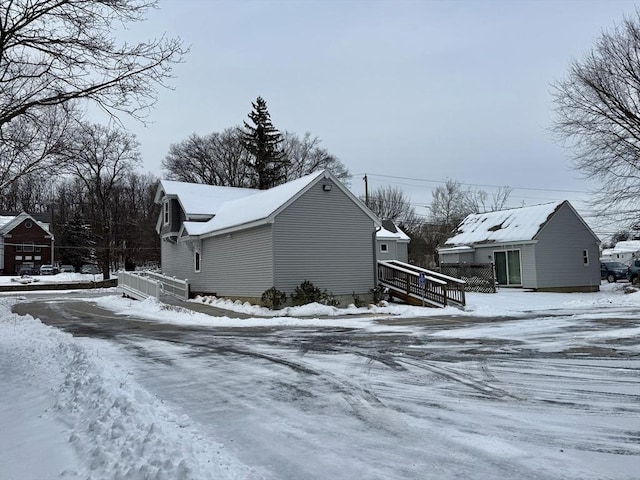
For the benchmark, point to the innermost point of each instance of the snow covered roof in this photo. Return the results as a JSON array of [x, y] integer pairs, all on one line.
[[514, 225], [388, 234], [261, 205], [628, 246], [4, 219], [9, 222], [199, 199]]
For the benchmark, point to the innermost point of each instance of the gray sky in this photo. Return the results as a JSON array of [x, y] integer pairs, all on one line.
[[418, 90]]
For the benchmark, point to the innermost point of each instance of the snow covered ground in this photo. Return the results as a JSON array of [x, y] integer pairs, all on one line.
[[539, 385]]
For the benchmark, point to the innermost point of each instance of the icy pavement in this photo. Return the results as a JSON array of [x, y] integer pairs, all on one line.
[[553, 394]]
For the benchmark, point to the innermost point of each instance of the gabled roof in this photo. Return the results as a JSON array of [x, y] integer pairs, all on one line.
[[200, 200], [263, 205], [8, 223], [513, 225], [390, 231]]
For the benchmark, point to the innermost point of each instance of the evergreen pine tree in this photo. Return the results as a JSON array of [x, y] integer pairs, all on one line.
[[264, 142]]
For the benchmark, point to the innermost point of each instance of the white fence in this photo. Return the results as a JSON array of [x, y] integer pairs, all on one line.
[[170, 285], [141, 285], [138, 286]]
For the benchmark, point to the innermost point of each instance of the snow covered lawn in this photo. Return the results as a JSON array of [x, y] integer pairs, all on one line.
[[519, 385]]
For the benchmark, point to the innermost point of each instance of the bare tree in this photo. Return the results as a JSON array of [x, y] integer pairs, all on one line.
[[102, 158], [53, 52], [215, 159], [479, 201], [598, 115], [390, 203], [449, 205], [305, 156], [29, 144]]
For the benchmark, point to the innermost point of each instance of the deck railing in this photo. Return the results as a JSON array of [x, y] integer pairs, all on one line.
[[421, 284], [170, 285], [138, 286]]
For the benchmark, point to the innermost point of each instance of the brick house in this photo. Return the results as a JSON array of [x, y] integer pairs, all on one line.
[[25, 243]]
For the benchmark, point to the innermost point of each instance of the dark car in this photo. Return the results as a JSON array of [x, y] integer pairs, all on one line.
[[613, 271], [633, 272], [90, 268]]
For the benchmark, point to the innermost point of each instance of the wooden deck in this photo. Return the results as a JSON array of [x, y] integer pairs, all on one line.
[[419, 286]]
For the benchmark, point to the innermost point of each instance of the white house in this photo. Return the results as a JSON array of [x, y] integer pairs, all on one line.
[[623, 252]]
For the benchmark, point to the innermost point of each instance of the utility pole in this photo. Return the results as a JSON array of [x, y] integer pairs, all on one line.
[[366, 190]]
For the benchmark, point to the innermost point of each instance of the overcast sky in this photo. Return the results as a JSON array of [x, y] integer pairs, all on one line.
[[410, 92]]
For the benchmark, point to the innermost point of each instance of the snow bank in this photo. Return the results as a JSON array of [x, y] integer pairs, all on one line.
[[506, 302], [115, 429]]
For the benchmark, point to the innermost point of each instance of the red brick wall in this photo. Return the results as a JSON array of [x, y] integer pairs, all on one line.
[[41, 254]]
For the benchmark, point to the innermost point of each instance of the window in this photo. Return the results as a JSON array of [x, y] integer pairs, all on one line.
[[28, 224], [28, 247], [585, 257], [196, 261], [384, 248], [18, 257], [166, 212], [19, 248]]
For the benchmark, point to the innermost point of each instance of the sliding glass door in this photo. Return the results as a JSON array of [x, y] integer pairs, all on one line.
[[508, 267]]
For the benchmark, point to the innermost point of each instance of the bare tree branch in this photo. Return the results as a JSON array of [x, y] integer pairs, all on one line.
[[598, 116]]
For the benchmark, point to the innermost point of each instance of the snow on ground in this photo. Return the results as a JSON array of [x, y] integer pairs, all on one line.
[[72, 409], [42, 279], [65, 413]]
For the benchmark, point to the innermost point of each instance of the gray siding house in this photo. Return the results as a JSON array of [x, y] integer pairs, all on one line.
[[392, 243], [237, 243], [542, 247]]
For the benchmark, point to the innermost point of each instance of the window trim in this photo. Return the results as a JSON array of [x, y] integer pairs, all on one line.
[[165, 212], [585, 257], [384, 247], [28, 247], [197, 261]]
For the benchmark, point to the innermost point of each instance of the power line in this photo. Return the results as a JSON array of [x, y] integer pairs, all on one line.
[[425, 180]]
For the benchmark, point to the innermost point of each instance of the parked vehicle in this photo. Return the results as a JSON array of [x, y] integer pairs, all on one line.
[[612, 271], [27, 271], [67, 269], [633, 272], [48, 270], [90, 269]]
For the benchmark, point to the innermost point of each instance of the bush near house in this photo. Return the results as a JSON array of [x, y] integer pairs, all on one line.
[[307, 292], [273, 299]]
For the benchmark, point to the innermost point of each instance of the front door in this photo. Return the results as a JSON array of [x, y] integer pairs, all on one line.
[[508, 267]]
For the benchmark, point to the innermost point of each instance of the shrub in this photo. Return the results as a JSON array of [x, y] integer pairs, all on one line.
[[305, 293], [378, 294], [329, 299], [273, 299], [357, 301]]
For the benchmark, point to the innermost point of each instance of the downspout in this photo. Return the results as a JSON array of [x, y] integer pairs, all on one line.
[[375, 257]]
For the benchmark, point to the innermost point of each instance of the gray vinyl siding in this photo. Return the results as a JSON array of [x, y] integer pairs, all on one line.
[[237, 264], [324, 237], [559, 252], [176, 260], [392, 250], [176, 217], [402, 251], [458, 257]]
